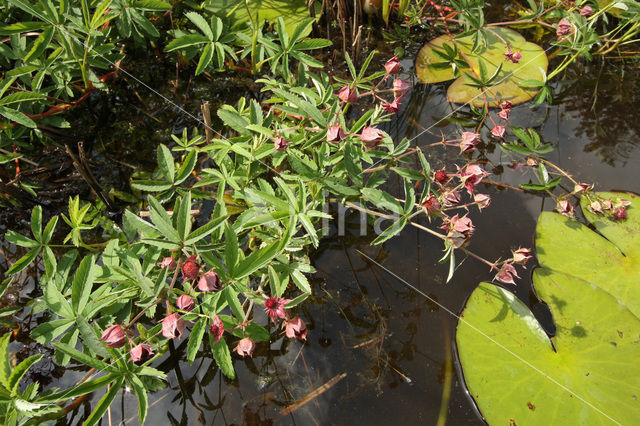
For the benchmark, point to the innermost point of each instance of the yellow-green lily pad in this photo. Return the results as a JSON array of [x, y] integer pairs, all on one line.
[[431, 67]]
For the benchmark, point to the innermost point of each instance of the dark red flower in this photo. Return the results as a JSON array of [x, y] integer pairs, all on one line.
[[348, 94], [140, 352], [441, 177], [190, 268], [471, 176], [173, 326], [392, 107], [245, 347], [506, 105], [431, 204], [586, 11], [114, 336], [274, 306], [217, 329], [295, 328], [506, 274], [185, 302], [392, 66], [620, 213], [209, 281], [281, 144], [514, 57], [335, 134]]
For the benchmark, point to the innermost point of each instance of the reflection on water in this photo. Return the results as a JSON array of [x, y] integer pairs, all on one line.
[[377, 352]]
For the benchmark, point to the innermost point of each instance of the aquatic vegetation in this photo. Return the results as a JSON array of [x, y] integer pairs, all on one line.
[[582, 372]]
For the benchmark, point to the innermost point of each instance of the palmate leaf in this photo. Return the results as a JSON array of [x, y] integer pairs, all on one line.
[[587, 372]]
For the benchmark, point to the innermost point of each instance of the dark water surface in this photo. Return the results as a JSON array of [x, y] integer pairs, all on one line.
[[386, 350]]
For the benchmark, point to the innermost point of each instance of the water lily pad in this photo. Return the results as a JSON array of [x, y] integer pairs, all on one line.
[[588, 372], [431, 67]]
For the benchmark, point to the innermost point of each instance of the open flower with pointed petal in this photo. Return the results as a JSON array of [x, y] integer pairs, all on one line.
[[521, 256], [392, 66], [335, 134], [505, 114], [281, 144], [217, 329], [596, 207], [348, 94], [190, 268], [469, 141], [512, 56], [400, 87], [431, 204], [140, 352], [245, 347], [506, 274], [482, 201], [620, 213], [185, 302], [114, 336], [295, 328], [393, 107], [471, 176], [274, 306], [451, 198], [441, 176], [498, 131], [173, 326], [581, 188], [210, 281], [459, 230], [168, 262], [565, 208]]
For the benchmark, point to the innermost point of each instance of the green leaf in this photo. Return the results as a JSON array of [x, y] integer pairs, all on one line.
[[162, 220], [5, 366], [186, 41], [24, 261], [187, 167], [89, 338], [234, 120], [509, 75], [256, 260], [21, 97], [195, 338], [222, 356], [42, 42], [392, 230], [20, 371], [82, 284], [231, 297], [78, 390], [230, 249], [205, 58], [382, 200], [21, 27], [165, 163], [84, 358], [201, 23], [104, 403], [141, 393], [47, 331], [56, 301], [204, 230], [158, 5], [17, 116], [4, 285], [184, 216], [20, 240]]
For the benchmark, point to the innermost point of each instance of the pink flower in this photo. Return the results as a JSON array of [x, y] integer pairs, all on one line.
[[371, 136], [482, 201], [274, 306], [469, 141], [140, 352], [514, 57], [596, 207], [348, 94], [586, 11], [505, 114], [217, 329], [392, 107], [564, 28], [620, 213], [459, 229], [505, 105], [114, 336], [335, 134], [565, 208], [451, 198], [580, 188], [245, 347], [431, 204], [506, 274], [168, 262], [209, 281], [281, 144], [392, 66], [521, 256], [173, 326], [498, 131], [441, 176], [472, 176], [400, 87], [295, 328], [607, 205], [185, 302], [190, 268]]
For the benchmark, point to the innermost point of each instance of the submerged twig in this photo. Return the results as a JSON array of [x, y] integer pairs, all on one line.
[[319, 391]]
